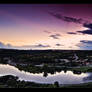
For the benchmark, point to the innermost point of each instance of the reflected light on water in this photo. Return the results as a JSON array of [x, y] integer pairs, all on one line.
[[63, 78]]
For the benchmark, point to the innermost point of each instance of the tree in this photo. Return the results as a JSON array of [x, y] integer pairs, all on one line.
[[45, 67], [56, 84], [45, 74]]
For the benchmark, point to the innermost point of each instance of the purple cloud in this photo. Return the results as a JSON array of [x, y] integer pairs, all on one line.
[[71, 33], [47, 31], [55, 36], [68, 19]]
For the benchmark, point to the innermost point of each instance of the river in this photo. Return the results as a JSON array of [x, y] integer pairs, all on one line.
[[63, 78]]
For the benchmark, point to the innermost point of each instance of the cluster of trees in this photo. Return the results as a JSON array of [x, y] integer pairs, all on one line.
[[45, 69], [42, 56], [3, 61], [34, 57]]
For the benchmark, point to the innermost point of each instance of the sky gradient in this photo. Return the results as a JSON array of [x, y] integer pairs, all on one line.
[[46, 26]]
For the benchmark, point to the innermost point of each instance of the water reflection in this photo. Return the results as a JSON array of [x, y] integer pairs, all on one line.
[[45, 74], [88, 78], [63, 77]]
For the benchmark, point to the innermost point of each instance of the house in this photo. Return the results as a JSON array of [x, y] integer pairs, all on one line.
[[62, 60], [41, 65]]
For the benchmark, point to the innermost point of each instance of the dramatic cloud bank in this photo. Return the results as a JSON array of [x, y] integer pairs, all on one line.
[[47, 31], [89, 31], [2, 45], [58, 44], [71, 33], [55, 36], [9, 46], [86, 41], [68, 19], [35, 46], [86, 24], [85, 44]]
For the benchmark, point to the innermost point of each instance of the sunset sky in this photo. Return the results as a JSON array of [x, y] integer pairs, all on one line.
[[46, 26]]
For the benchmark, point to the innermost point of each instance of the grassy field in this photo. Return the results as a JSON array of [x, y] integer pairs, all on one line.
[[82, 69]]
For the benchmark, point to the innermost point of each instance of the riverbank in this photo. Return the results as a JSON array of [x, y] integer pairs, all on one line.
[[29, 84], [83, 85], [9, 81], [81, 69], [53, 69]]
